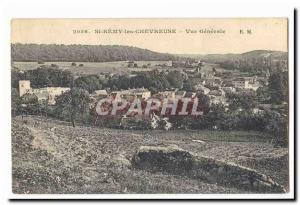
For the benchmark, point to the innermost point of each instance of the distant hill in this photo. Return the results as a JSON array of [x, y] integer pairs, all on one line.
[[84, 53], [278, 55], [256, 54], [257, 61]]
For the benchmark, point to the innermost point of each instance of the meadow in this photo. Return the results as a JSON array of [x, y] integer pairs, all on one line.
[[117, 67]]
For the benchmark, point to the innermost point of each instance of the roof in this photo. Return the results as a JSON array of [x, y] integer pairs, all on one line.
[[138, 90], [239, 79], [180, 92], [100, 92]]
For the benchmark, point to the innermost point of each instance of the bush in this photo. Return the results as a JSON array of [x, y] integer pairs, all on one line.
[[54, 66]]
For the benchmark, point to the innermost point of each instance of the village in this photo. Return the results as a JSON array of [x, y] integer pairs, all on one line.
[[203, 79], [212, 83]]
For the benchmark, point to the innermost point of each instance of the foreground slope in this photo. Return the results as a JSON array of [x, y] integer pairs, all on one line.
[[50, 156]]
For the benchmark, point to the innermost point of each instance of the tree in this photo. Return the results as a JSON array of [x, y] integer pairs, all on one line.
[[29, 104], [16, 76], [262, 94], [43, 76], [175, 79], [188, 86], [277, 126], [216, 115], [72, 103], [84, 53], [204, 102], [243, 100], [89, 83], [15, 101], [278, 87]]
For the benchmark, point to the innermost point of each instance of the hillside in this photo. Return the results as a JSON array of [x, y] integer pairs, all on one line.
[[278, 55], [50, 156], [256, 54], [83, 53]]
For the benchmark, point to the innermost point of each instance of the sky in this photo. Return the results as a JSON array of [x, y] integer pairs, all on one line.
[[266, 34]]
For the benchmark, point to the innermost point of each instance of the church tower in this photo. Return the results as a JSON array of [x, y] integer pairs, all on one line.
[[24, 87]]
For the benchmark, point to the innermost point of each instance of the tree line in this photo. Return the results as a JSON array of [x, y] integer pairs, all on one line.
[[48, 76], [83, 53]]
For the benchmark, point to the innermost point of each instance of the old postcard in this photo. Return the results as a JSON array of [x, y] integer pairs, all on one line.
[[150, 106]]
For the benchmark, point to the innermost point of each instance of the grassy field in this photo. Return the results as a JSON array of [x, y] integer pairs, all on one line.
[[51, 156], [119, 67]]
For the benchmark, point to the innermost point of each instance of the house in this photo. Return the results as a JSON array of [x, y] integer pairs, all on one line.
[[42, 97], [202, 89], [43, 94], [243, 83], [218, 100], [216, 93], [166, 94], [212, 81], [240, 83], [229, 89], [100, 93], [24, 87], [183, 64], [169, 63], [253, 86], [97, 95], [131, 94]]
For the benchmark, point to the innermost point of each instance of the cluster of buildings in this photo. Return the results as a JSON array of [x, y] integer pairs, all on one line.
[[47, 94], [213, 84], [216, 84]]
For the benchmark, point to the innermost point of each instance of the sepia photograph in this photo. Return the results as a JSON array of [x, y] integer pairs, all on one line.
[[150, 106]]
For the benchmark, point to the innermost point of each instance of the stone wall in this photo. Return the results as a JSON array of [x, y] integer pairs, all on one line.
[[171, 159]]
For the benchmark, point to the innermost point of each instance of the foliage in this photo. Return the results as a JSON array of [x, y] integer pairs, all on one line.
[[204, 102], [15, 102], [83, 53], [262, 94], [89, 83], [242, 100], [278, 87], [188, 86], [175, 79], [43, 76], [277, 126], [73, 103]]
